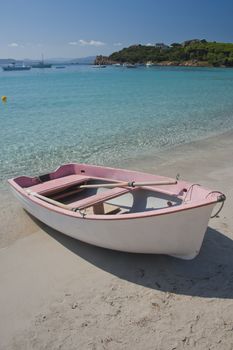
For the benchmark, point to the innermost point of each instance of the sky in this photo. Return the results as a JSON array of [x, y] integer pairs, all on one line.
[[79, 28]]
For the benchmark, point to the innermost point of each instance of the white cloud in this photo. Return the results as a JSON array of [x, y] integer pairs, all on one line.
[[91, 43], [13, 45], [149, 44], [73, 43], [117, 44]]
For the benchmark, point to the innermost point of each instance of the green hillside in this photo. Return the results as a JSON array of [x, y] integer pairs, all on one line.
[[199, 52]]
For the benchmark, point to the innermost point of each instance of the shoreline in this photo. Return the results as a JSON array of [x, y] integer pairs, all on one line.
[[55, 288], [188, 63], [148, 154]]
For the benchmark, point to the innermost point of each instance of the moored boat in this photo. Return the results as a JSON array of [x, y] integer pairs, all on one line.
[[130, 65], [149, 64], [99, 66], [120, 209], [16, 67], [41, 64]]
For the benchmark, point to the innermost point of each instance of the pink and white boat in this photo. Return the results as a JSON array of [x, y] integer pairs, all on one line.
[[120, 209]]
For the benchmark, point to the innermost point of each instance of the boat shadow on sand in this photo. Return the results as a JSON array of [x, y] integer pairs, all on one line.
[[209, 275]]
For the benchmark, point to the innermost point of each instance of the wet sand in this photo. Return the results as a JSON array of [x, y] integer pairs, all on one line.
[[59, 293]]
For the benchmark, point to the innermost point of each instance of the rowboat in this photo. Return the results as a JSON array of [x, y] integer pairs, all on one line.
[[120, 209]]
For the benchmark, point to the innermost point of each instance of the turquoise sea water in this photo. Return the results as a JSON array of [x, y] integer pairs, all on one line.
[[103, 116]]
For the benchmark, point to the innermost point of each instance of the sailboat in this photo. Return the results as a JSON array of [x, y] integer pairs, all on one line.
[[42, 64]]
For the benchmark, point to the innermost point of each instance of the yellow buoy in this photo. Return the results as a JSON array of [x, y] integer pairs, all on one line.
[[4, 98]]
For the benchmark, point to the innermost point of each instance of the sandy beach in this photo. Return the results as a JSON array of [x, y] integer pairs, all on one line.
[[60, 293]]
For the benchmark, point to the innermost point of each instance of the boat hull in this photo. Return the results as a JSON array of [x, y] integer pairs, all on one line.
[[178, 234], [12, 69]]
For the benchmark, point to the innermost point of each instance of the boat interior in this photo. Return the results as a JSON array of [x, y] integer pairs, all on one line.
[[102, 200]]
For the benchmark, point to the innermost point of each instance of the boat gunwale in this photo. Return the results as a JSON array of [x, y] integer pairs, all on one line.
[[126, 216]]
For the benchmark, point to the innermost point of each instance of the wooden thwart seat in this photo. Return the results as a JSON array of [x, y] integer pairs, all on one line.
[[98, 198], [58, 184]]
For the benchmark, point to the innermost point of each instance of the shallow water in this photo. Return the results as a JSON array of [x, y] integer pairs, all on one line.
[[105, 115]]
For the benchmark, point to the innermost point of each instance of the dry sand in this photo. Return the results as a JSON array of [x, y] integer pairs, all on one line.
[[59, 293]]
